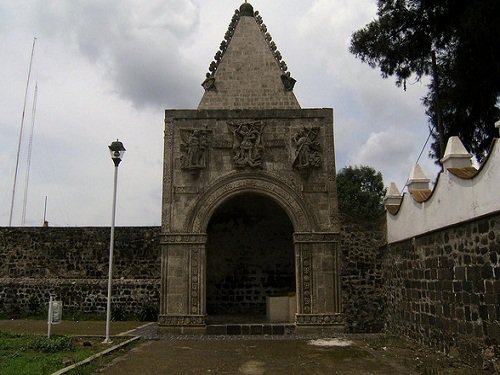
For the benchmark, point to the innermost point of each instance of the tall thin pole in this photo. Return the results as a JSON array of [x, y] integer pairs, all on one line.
[[21, 135], [437, 102], [30, 146], [111, 247], [45, 211]]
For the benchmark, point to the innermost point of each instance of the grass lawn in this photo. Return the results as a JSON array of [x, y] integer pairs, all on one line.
[[29, 354], [67, 327]]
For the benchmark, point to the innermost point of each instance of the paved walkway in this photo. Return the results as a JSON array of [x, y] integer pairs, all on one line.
[[250, 355]]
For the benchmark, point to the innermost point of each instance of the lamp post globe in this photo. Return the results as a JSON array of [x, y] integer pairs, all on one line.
[[117, 151]]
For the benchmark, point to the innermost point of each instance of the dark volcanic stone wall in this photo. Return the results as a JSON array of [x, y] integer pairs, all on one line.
[[362, 274], [443, 290], [73, 263]]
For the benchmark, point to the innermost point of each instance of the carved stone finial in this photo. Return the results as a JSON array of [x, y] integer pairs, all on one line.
[[209, 83], [288, 82], [246, 10]]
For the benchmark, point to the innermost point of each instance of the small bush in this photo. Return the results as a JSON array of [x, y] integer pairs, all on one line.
[[54, 344], [148, 313], [118, 313], [34, 306], [14, 312]]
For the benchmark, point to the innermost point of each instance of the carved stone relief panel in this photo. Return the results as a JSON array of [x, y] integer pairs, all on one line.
[[194, 149], [248, 145], [307, 153]]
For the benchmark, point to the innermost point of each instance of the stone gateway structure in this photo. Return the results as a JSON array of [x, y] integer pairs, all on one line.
[[249, 209]]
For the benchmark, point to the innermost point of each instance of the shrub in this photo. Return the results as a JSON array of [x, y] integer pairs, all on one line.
[[54, 344], [148, 313], [118, 313]]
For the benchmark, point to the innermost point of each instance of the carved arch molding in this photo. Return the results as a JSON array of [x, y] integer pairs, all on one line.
[[264, 184]]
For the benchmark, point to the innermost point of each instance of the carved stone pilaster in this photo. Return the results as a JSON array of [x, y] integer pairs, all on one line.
[[195, 280], [306, 280], [318, 281], [167, 175]]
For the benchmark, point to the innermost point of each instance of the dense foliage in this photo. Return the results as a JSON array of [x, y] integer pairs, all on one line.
[[360, 192], [465, 79]]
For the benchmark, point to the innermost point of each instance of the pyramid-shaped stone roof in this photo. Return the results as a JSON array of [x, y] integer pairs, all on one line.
[[248, 71]]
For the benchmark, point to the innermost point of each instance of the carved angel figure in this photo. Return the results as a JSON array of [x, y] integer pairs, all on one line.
[[194, 148], [247, 144], [307, 150]]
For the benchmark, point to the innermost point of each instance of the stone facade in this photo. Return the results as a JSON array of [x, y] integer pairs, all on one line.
[[443, 290], [249, 140], [73, 263], [308, 198]]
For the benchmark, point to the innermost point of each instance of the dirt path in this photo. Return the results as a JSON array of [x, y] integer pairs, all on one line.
[[250, 357]]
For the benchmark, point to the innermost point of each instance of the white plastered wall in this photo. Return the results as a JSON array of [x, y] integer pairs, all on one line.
[[453, 200]]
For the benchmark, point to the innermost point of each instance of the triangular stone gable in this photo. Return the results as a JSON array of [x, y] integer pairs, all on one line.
[[248, 72]]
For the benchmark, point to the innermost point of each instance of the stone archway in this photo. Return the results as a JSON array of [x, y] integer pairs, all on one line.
[[184, 253], [250, 256], [262, 183]]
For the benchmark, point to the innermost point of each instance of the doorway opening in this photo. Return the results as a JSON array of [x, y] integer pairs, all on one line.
[[250, 256]]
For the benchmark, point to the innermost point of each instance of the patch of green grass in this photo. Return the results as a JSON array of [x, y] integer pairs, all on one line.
[[38, 355]]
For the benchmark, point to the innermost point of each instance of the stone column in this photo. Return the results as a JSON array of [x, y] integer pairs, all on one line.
[[319, 301], [183, 271]]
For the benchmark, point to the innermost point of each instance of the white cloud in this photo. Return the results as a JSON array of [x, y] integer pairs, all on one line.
[[108, 69], [135, 44], [393, 152]]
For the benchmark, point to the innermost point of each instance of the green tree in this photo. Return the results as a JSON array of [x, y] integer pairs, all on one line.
[[360, 192], [455, 42]]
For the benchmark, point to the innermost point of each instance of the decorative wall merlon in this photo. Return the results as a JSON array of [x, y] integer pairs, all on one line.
[[392, 198], [456, 198], [418, 180], [455, 155]]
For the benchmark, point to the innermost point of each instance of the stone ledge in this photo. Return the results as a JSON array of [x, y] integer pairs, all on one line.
[[316, 237], [216, 114], [183, 238], [320, 319], [181, 320], [57, 281]]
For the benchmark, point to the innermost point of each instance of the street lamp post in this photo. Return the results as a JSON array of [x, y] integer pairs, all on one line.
[[117, 150]]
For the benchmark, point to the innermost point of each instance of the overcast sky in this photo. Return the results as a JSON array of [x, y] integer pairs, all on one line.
[[108, 69]]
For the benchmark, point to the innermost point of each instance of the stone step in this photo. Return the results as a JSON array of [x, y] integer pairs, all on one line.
[[251, 329]]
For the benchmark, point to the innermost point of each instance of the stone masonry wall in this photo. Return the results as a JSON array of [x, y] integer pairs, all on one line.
[[362, 274], [73, 263], [443, 290]]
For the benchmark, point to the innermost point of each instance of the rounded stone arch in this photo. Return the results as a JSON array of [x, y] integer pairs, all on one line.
[[262, 184]]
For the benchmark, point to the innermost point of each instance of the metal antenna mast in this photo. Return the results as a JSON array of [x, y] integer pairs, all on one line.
[[21, 135], [30, 146]]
